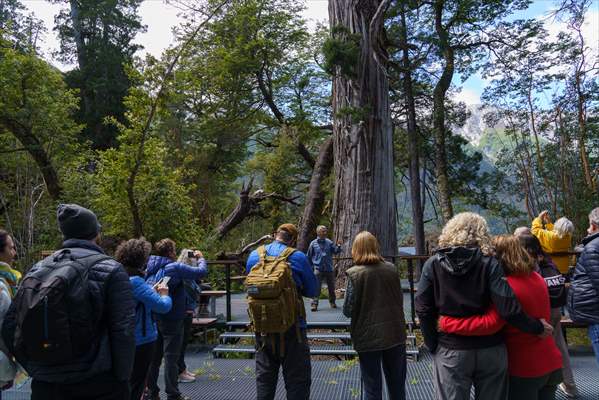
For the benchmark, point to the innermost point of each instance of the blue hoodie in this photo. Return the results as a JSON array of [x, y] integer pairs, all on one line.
[[148, 301], [161, 266]]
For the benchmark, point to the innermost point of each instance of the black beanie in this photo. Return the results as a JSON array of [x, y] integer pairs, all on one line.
[[76, 222]]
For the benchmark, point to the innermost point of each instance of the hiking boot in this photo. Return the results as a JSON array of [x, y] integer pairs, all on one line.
[[184, 378], [571, 392]]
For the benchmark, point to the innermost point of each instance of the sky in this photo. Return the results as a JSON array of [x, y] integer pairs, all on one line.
[[161, 17]]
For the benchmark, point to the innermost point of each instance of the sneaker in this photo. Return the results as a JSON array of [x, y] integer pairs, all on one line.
[[184, 378], [188, 373], [570, 392]]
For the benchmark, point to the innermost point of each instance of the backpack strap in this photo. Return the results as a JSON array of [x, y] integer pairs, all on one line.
[[261, 252], [285, 254]]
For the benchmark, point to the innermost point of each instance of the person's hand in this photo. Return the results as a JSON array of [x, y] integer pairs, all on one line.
[[544, 216], [339, 243], [161, 289], [198, 254], [547, 329]]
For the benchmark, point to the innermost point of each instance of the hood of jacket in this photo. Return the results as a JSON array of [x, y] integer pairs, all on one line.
[[459, 260], [155, 263]]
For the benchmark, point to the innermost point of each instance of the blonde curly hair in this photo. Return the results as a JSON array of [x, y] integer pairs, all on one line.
[[467, 229]]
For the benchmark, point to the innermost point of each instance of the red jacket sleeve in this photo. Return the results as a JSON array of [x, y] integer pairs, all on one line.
[[476, 325]]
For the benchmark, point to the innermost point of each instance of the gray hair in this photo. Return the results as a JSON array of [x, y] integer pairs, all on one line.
[[522, 231], [594, 216], [563, 227], [321, 227]]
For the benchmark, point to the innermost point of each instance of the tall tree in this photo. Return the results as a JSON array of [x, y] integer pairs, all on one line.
[[364, 196], [98, 37]]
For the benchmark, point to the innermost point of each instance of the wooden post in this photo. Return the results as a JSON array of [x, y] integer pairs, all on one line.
[[411, 282], [228, 290]]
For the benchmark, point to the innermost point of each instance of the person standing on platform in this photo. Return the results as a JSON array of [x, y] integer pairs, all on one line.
[[374, 302], [555, 238], [290, 349], [320, 254]]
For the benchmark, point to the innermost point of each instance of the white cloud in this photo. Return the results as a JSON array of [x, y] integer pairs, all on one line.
[[468, 96]]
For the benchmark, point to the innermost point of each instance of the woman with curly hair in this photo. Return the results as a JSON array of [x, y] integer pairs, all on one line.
[[463, 279], [133, 255], [534, 363]]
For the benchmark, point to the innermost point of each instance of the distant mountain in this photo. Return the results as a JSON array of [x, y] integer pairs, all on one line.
[[487, 139]]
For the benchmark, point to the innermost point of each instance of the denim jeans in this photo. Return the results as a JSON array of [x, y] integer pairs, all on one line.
[[392, 362], [170, 337], [594, 336]]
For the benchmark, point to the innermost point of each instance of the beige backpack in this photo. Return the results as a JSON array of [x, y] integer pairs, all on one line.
[[274, 305]]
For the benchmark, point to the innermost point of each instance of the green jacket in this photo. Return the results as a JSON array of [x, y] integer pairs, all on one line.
[[374, 302]]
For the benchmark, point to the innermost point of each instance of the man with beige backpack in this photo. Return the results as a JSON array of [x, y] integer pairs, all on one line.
[[278, 277]]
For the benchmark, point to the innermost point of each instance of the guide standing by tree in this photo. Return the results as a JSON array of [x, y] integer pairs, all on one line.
[[320, 253]]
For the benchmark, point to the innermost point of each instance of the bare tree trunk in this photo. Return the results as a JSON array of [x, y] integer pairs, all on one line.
[[37, 152], [413, 147], [363, 139], [315, 196], [439, 113]]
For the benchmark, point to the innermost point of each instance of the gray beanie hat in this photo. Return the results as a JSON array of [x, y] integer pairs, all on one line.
[[76, 222]]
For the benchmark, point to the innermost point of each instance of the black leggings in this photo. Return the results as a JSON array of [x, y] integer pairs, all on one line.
[[143, 357], [186, 335]]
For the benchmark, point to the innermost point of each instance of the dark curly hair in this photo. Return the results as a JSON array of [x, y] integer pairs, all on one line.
[[133, 255], [165, 248], [3, 239]]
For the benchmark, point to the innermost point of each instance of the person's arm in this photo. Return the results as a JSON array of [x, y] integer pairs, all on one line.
[[545, 235], [425, 307], [590, 261], [184, 271], [8, 328], [335, 248], [507, 304], [252, 260], [348, 303], [120, 309], [308, 286], [310, 253], [155, 302], [476, 325]]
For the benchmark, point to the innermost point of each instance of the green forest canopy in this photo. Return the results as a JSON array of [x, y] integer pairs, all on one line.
[[216, 142]]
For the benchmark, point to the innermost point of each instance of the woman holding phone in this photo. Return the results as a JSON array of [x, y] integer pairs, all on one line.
[[133, 255]]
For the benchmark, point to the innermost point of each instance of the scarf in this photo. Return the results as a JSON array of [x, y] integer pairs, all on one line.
[[11, 276]]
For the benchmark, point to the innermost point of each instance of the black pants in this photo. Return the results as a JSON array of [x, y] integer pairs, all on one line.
[[143, 357], [186, 336], [392, 362], [329, 278], [294, 357], [170, 335], [539, 388], [101, 387]]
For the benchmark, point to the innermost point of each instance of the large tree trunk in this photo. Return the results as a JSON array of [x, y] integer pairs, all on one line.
[[315, 197], [413, 147], [36, 150], [439, 113], [362, 132]]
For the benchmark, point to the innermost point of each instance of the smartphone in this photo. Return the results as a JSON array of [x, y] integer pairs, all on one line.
[[163, 281]]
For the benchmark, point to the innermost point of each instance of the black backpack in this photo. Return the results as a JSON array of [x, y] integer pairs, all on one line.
[[54, 314]]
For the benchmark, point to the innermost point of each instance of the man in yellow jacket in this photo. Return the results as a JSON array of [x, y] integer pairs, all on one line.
[[555, 238]]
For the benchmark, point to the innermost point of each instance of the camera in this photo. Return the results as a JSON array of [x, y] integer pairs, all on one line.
[[190, 254]]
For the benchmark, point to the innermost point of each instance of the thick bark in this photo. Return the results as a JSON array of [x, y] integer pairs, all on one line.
[[37, 152], [413, 147], [439, 112], [315, 196], [362, 140]]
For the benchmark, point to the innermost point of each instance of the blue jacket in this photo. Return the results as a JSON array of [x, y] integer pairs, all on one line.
[[162, 266], [304, 278], [583, 296], [148, 301], [320, 254]]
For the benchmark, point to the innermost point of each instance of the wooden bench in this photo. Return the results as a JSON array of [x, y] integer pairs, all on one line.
[[213, 295]]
